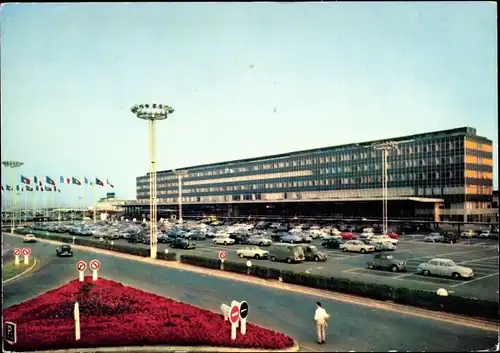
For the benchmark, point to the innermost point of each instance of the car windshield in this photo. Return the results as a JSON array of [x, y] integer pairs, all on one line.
[[313, 248], [390, 257], [450, 263]]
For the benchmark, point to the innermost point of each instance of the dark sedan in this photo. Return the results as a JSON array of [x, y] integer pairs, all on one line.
[[332, 243], [64, 250], [182, 244]]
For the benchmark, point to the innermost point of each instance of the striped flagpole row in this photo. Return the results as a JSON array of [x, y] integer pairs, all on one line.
[[49, 184]]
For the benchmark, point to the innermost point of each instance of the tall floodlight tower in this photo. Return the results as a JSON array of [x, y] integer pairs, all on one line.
[[152, 113], [12, 165], [180, 174], [385, 147]]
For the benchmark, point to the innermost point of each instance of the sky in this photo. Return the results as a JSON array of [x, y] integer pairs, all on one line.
[[245, 80]]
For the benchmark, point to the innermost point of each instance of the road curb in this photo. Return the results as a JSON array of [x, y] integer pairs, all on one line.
[[21, 274], [361, 301], [177, 349]]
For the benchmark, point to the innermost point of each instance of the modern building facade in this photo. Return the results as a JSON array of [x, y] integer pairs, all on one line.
[[445, 175]]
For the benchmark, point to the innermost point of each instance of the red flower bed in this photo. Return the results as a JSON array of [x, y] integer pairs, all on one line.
[[113, 315]]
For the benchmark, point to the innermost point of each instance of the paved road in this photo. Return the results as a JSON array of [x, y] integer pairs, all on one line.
[[480, 255], [352, 327]]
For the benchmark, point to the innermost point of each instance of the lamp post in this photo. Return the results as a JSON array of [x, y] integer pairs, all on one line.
[[12, 165], [180, 174], [385, 147], [152, 113]]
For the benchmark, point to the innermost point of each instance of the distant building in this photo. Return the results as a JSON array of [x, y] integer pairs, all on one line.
[[110, 204], [442, 175], [494, 206]]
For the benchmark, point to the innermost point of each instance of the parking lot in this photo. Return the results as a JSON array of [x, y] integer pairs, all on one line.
[[481, 255]]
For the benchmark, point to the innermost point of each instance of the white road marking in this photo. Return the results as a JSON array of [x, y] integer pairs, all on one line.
[[309, 348], [475, 279], [354, 269], [308, 270]]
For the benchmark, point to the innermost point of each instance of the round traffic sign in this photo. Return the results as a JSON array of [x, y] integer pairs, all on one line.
[[234, 314], [81, 265], [243, 310], [26, 251], [16, 251], [222, 255], [95, 265], [249, 263]]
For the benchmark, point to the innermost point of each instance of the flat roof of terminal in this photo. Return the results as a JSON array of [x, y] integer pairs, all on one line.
[[469, 131], [353, 199]]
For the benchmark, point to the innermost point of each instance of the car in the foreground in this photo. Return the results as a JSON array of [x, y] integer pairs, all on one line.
[[386, 262], [356, 246], [312, 253], [180, 243], [252, 251], [444, 268], [29, 238], [64, 250]]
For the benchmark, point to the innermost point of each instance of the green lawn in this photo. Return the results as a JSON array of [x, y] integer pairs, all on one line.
[[10, 270]]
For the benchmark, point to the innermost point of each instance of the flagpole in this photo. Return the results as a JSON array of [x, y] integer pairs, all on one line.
[[82, 200], [34, 202], [44, 202], [93, 202], [25, 204]]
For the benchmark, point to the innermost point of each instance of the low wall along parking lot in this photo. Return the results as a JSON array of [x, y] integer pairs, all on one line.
[[481, 256]]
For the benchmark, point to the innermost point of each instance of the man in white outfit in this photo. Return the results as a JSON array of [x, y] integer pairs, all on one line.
[[321, 317]]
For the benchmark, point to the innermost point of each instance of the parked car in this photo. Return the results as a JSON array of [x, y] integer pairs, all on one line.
[[253, 252], [356, 246], [64, 250], [197, 235], [468, 234], [305, 238], [181, 243], [286, 252], [386, 262], [434, 238], [291, 238], [393, 235], [348, 236], [259, 240], [164, 238], [383, 239], [239, 238], [312, 253], [29, 238], [366, 235], [223, 240], [332, 243], [445, 268]]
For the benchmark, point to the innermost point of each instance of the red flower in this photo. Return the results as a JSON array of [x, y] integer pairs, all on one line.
[[115, 315]]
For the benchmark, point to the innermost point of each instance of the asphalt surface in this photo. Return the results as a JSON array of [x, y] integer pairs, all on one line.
[[351, 327], [479, 254]]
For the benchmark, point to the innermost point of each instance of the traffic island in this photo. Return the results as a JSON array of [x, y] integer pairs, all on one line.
[[102, 313], [11, 271]]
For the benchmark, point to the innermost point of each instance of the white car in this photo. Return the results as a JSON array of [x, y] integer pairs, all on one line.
[[366, 235], [223, 240], [335, 231], [253, 252], [445, 268], [259, 240], [383, 239], [356, 246], [29, 238], [468, 234]]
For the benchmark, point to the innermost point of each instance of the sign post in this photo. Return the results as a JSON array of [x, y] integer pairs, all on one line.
[[234, 317], [10, 333], [76, 314], [26, 253], [81, 266], [16, 252], [95, 265], [243, 317], [249, 266], [74, 238], [222, 258]]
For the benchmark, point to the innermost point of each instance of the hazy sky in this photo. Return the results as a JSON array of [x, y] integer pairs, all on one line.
[[245, 80]]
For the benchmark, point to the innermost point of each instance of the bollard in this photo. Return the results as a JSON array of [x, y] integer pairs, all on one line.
[[249, 266], [222, 265], [74, 240]]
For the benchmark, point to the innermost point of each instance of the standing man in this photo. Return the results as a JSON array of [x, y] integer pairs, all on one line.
[[321, 317]]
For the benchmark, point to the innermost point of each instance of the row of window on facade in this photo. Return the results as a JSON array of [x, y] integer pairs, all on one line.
[[324, 157]]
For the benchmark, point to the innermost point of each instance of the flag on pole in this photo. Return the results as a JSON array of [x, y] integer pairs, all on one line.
[[65, 180], [25, 180], [8, 187], [85, 181], [99, 182], [75, 181], [59, 190], [49, 180], [107, 182], [19, 188], [48, 189], [35, 180], [29, 188]]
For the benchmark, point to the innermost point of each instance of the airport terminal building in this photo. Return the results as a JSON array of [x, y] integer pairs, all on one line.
[[442, 175]]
